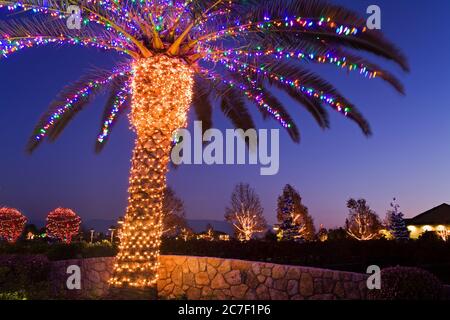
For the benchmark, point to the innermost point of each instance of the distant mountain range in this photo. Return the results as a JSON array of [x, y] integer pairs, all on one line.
[[102, 225], [200, 225]]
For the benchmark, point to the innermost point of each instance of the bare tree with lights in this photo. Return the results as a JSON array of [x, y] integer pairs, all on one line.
[[443, 233], [174, 216], [245, 213], [363, 223], [183, 53]]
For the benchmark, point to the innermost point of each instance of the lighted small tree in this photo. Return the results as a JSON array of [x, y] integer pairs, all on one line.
[[209, 234], [443, 233], [63, 224], [174, 220], [245, 212], [295, 223], [322, 234], [362, 223], [186, 234], [396, 223], [12, 223]]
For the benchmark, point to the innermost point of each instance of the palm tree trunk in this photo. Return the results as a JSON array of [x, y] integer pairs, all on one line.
[[162, 93]]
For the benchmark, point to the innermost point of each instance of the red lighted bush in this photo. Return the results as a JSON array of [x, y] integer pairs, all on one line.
[[12, 223], [63, 224], [407, 283]]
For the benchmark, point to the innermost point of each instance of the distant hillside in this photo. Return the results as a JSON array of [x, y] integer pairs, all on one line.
[[200, 225], [102, 225]]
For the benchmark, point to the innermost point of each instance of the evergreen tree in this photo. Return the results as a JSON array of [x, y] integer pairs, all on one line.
[[397, 225], [294, 221], [288, 230]]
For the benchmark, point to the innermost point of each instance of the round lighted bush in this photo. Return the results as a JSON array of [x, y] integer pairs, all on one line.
[[12, 223], [407, 283], [63, 224]]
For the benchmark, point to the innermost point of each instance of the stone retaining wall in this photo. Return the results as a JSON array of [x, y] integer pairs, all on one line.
[[214, 278]]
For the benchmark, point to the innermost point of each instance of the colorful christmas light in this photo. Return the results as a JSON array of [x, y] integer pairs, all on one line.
[[82, 94], [119, 102], [162, 93]]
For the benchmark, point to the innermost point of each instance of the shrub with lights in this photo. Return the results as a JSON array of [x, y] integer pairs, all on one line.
[[245, 212], [63, 224], [12, 223], [407, 283]]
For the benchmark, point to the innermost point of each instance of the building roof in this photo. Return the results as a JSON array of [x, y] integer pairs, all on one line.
[[435, 216]]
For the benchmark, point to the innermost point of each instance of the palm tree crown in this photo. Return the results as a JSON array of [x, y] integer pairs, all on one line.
[[239, 49]]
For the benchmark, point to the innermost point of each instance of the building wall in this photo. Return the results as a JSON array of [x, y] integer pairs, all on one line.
[[417, 230], [213, 278]]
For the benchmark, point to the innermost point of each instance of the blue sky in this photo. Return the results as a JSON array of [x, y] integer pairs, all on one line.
[[407, 157]]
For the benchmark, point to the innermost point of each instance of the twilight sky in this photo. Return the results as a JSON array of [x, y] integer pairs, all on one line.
[[407, 157]]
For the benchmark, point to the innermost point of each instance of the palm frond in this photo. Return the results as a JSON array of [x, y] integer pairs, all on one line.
[[17, 34], [273, 101], [69, 102], [202, 103], [116, 105], [313, 52], [309, 79], [234, 108], [374, 68], [267, 104], [314, 107], [368, 40]]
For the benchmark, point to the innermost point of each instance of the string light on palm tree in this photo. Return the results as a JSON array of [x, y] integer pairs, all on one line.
[[182, 53]]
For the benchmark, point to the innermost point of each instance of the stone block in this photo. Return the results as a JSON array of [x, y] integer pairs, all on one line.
[[202, 279], [219, 282], [306, 285], [239, 291], [233, 277]]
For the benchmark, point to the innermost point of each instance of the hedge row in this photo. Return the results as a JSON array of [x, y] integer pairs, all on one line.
[[346, 255]]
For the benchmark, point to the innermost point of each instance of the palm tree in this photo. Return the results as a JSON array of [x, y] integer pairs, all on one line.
[[182, 53]]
